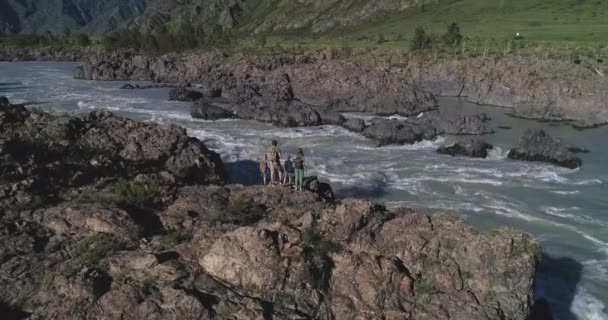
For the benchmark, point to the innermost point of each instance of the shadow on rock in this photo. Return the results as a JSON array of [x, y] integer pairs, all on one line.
[[245, 172], [10, 313], [556, 286]]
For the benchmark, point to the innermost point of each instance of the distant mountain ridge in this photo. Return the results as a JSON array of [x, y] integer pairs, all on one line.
[[106, 16]]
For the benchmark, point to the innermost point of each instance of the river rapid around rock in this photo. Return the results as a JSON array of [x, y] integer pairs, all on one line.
[[567, 210]]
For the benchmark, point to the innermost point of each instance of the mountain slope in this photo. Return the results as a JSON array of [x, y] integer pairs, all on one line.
[[569, 20], [103, 16]]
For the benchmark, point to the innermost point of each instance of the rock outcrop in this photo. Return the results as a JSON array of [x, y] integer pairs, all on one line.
[[185, 94], [180, 248], [470, 148], [205, 110], [537, 145], [46, 153], [380, 82]]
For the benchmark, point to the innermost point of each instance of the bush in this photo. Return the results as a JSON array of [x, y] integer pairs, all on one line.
[[316, 253], [140, 192], [381, 38], [241, 213], [91, 252], [83, 40], [452, 38], [421, 40]]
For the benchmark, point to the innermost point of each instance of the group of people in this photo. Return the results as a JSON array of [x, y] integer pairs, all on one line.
[[289, 172]]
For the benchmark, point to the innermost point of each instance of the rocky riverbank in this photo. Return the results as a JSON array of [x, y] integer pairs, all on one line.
[[103, 218], [380, 82]]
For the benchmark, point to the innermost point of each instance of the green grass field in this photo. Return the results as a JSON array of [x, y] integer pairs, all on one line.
[[552, 28], [558, 25]]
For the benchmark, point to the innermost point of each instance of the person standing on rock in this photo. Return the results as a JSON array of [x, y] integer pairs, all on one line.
[[289, 171], [298, 162], [264, 169], [273, 154]]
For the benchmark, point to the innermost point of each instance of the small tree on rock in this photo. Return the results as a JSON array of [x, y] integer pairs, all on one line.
[[421, 41], [452, 38]]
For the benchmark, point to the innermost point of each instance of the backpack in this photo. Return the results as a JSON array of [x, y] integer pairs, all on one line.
[[273, 154]]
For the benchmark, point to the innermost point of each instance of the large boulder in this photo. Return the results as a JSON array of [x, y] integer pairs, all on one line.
[[391, 131], [205, 110], [455, 123], [4, 102], [470, 148], [537, 145], [183, 94], [355, 125]]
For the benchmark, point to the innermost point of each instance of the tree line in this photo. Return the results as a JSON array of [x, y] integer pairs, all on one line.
[[185, 37], [423, 40]]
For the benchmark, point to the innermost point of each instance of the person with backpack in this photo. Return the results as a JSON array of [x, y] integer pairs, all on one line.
[[273, 154], [264, 169], [289, 171], [298, 162]]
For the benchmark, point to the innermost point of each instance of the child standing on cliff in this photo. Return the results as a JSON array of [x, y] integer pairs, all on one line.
[[289, 171], [264, 169], [298, 162]]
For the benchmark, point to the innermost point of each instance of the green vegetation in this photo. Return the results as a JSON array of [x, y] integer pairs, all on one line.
[[169, 241], [316, 252], [240, 213], [467, 275], [422, 286], [421, 40], [140, 192], [452, 38], [559, 29], [91, 252]]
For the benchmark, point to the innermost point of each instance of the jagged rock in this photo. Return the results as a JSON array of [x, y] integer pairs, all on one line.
[[183, 94], [470, 148], [207, 111], [212, 92], [456, 124], [209, 252], [537, 145], [389, 131], [322, 189], [4, 102], [128, 86], [42, 154], [355, 125], [89, 218]]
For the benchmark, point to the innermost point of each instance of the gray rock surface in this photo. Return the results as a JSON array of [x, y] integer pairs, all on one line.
[[184, 94], [207, 111], [224, 252], [537, 145], [470, 148], [381, 82]]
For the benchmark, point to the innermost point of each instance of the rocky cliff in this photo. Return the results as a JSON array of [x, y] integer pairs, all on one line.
[[106, 218], [381, 82]]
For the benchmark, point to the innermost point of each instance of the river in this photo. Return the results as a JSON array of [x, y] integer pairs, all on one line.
[[567, 210]]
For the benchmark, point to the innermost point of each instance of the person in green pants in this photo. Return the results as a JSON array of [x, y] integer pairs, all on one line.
[[298, 163]]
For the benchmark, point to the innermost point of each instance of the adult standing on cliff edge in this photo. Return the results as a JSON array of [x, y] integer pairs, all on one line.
[[273, 154]]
